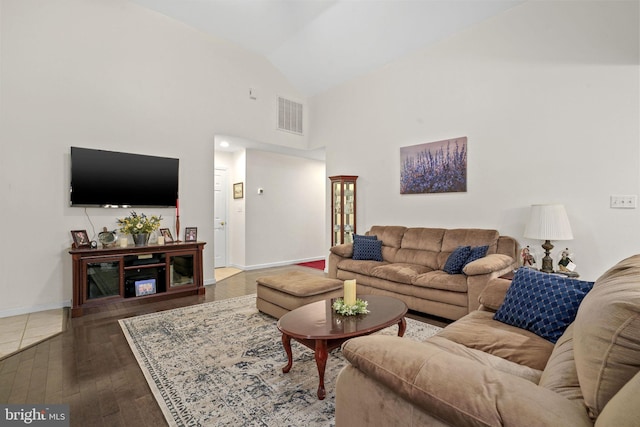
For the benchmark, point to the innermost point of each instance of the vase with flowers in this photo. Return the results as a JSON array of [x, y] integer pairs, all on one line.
[[139, 226]]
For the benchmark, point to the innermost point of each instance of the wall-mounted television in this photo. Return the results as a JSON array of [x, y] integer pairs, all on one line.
[[114, 179]]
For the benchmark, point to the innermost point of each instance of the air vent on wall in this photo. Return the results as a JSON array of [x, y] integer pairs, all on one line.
[[289, 116]]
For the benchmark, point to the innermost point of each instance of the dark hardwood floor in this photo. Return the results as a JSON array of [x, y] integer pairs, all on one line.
[[91, 367]]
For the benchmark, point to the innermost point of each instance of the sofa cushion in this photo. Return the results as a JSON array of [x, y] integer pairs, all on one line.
[[607, 334], [423, 239], [542, 303], [478, 330], [367, 249], [476, 253], [456, 260], [470, 237], [560, 374], [399, 272], [360, 267], [438, 279], [391, 235]]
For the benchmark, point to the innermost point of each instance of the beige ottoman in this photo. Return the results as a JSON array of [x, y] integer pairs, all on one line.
[[282, 293]]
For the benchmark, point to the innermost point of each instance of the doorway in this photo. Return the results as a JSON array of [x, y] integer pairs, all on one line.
[[220, 218]]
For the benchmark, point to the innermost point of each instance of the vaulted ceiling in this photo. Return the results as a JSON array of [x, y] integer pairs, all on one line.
[[318, 44]]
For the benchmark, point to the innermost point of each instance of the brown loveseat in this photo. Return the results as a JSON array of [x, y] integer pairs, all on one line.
[[412, 265], [481, 372]]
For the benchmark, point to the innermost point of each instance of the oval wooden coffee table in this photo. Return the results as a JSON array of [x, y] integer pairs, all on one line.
[[318, 327]]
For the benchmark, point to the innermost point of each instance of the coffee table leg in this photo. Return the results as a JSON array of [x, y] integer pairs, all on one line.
[[286, 343], [402, 326], [321, 361]]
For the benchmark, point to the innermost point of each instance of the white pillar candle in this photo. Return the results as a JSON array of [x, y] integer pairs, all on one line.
[[161, 240], [350, 292], [124, 242]]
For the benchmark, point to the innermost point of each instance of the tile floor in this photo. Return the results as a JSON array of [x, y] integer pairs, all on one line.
[[20, 332]]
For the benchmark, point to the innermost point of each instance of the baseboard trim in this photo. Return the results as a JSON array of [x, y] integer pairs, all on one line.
[[34, 309], [277, 264]]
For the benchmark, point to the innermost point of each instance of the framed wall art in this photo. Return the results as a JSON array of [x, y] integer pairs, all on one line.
[[238, 190], [434, 167]]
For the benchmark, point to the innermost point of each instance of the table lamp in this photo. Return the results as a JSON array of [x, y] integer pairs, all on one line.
[[548, 222]]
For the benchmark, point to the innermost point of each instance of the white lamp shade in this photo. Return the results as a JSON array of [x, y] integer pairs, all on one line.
[[548, 222]]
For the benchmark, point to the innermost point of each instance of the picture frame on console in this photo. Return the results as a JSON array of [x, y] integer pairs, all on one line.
[[80, 239], [191, 234], [166, 233]]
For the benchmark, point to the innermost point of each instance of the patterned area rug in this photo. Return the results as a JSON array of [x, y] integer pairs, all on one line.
[[220, 363]]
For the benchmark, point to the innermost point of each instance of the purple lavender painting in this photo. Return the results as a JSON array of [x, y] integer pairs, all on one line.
[[434, 167]]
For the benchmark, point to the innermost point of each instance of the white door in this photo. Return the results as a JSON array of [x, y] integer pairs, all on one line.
[[220, 218]]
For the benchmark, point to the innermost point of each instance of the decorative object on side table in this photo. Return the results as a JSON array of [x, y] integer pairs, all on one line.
[[139, 226], [566, 265], [528, 258], [548, 222]]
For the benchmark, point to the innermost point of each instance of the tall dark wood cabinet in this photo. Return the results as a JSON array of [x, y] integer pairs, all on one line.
[[343, 208]]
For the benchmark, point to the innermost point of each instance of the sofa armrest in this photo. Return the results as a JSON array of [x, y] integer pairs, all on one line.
[[488, 264], [457, 390], [336, 254], [344, 250]]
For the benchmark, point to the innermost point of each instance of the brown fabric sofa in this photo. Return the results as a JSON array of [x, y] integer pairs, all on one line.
[[412, 267], [480, 372]]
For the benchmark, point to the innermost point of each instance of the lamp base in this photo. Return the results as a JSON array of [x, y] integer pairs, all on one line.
[[547, 261]]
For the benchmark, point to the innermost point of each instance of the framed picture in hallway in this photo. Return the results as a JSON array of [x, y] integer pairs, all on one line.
[[238, 190], [434, 167]]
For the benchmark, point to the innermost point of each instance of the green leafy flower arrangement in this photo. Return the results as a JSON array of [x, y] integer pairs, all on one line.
[[360, 307], [137, 224]]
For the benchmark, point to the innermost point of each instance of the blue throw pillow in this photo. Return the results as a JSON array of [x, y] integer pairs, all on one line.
[[367, 248], [456, 260], [542, 303], [476, 253]]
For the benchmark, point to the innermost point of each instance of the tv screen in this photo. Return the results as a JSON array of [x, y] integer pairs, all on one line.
[[113, 179]]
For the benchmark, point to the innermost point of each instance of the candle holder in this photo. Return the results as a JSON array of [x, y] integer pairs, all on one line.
[[360, 307]]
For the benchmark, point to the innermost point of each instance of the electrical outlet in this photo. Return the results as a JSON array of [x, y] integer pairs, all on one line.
[[624, 201]]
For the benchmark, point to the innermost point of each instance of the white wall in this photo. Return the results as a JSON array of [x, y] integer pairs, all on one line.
[[286, 222], [548, 96], [109, 74]]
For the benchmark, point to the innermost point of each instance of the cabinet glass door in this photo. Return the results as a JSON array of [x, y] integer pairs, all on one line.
[[349, 211], [103, 279], [343, 208], [181, 270]]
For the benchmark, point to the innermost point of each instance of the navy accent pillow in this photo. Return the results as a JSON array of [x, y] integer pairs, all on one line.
[[360, 236], [542, 303], [476, 253], [367, 248], [456, 260]]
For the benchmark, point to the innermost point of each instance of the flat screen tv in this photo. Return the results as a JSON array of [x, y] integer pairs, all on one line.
[[113, 179]]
